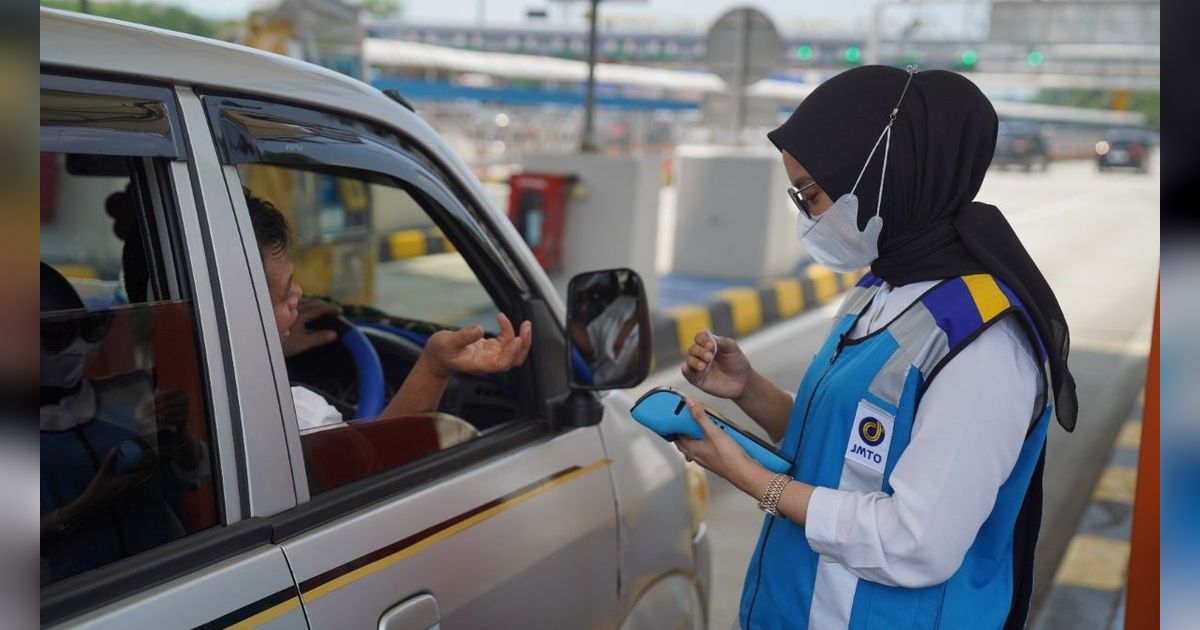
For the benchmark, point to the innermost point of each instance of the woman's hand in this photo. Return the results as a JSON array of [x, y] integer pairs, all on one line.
[[729, 371], [105, 488], [717, 451], [467, 351]]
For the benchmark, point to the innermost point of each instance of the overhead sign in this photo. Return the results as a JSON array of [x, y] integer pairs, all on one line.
[[1075, 22], [742, 46]]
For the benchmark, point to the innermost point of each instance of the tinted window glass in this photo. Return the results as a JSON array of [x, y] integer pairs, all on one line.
[[124, 424]]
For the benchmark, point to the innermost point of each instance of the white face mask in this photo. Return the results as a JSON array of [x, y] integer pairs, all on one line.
[[65, 368], [833, 238]]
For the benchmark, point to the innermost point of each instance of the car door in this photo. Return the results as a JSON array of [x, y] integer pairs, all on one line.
[[488, 513], [151, 514]]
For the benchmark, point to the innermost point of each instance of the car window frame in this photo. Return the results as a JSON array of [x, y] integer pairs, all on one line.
[[421, 167], [483, 250], [164, 185]]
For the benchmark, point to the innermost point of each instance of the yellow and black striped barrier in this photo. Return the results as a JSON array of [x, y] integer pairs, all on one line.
[[1091, 578], [404, 244], [739, 311]]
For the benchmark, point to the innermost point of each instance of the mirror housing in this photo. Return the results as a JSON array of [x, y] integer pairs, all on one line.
[[609, 338]]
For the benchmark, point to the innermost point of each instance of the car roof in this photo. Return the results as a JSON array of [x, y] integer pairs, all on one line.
[[99, 44], [77, 41], [89, 43]]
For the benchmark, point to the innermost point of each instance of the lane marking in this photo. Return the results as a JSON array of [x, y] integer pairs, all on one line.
[[1130, 436], [1116, 484], [1094, 562]]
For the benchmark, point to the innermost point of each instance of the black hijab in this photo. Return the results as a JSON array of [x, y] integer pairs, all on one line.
[[941, 146]]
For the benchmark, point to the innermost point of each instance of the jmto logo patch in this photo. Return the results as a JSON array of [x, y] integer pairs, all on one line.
[[870, 437]]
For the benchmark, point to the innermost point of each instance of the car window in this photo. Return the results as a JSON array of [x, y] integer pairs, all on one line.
[[373, 229], [124, 419]]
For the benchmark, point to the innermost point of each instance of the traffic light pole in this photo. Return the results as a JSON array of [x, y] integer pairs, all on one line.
[[588, 141]]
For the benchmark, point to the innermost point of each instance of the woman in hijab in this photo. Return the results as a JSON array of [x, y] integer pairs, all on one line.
[[918, 433]]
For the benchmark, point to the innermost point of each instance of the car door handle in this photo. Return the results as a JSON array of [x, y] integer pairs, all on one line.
[[419, 612]]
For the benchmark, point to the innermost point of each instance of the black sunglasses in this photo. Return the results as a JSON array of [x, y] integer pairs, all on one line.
[[58, 331], [797, 195]]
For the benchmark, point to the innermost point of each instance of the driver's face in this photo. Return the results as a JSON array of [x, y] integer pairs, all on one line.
[[285, 292]]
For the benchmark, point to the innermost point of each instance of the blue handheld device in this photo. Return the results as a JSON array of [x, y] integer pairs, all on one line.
[[664, 411]]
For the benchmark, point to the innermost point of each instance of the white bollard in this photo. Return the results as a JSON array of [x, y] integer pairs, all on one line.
[[733, 217]]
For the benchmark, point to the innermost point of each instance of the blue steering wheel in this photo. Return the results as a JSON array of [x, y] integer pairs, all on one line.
[[371, 390]]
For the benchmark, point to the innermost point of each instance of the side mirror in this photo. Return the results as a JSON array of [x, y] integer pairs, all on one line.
[[609, 344]]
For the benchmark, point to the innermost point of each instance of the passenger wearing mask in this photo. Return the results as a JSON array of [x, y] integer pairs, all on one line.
[[918, 432], [112, 479]]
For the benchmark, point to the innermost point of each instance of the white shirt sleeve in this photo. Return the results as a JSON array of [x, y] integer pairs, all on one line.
[[312, 410], [967, 435]]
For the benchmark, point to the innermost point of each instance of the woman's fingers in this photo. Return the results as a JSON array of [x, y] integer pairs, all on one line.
[[697, 411], [706, 423], [696, 364], [109, 459], [687, 446], [704, 339], [727, 344], [700, 353]]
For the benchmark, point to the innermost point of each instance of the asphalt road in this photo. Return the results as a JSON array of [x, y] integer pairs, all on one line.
[[1095, 237]]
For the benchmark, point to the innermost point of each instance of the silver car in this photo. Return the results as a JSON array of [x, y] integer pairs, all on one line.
[[178, 490]]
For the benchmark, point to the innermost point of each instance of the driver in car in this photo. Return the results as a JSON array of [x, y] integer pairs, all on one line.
[[445, 354]]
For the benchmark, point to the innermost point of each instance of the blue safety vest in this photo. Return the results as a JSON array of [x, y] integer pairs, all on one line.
[[851, 423]]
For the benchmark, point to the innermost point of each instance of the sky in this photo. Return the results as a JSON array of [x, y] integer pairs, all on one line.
[[790, 16]]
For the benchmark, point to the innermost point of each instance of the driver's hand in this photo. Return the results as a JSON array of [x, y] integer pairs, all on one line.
[[300, 338], [466, 351]]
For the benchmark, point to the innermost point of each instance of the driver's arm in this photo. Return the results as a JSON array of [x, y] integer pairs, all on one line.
[[420, 392], [461, 351]]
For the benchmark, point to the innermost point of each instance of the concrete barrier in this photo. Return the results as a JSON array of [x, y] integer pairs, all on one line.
[[403, 244], [739, 311]]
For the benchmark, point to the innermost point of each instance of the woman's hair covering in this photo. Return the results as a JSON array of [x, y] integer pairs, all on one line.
[[941, 146]]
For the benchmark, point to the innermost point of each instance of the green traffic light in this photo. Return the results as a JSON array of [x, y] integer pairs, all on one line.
[[969, 57], [804, 53], [853, 54], [1035, 58]]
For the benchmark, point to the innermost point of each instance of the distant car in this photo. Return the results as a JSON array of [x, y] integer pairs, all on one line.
[[1021, 145], [1124, 148]]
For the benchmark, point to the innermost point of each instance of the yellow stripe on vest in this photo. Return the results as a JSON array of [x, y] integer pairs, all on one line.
[[989, 299]]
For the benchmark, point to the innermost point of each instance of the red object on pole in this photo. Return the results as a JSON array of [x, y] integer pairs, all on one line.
[[1141, 596], [537, 206]]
